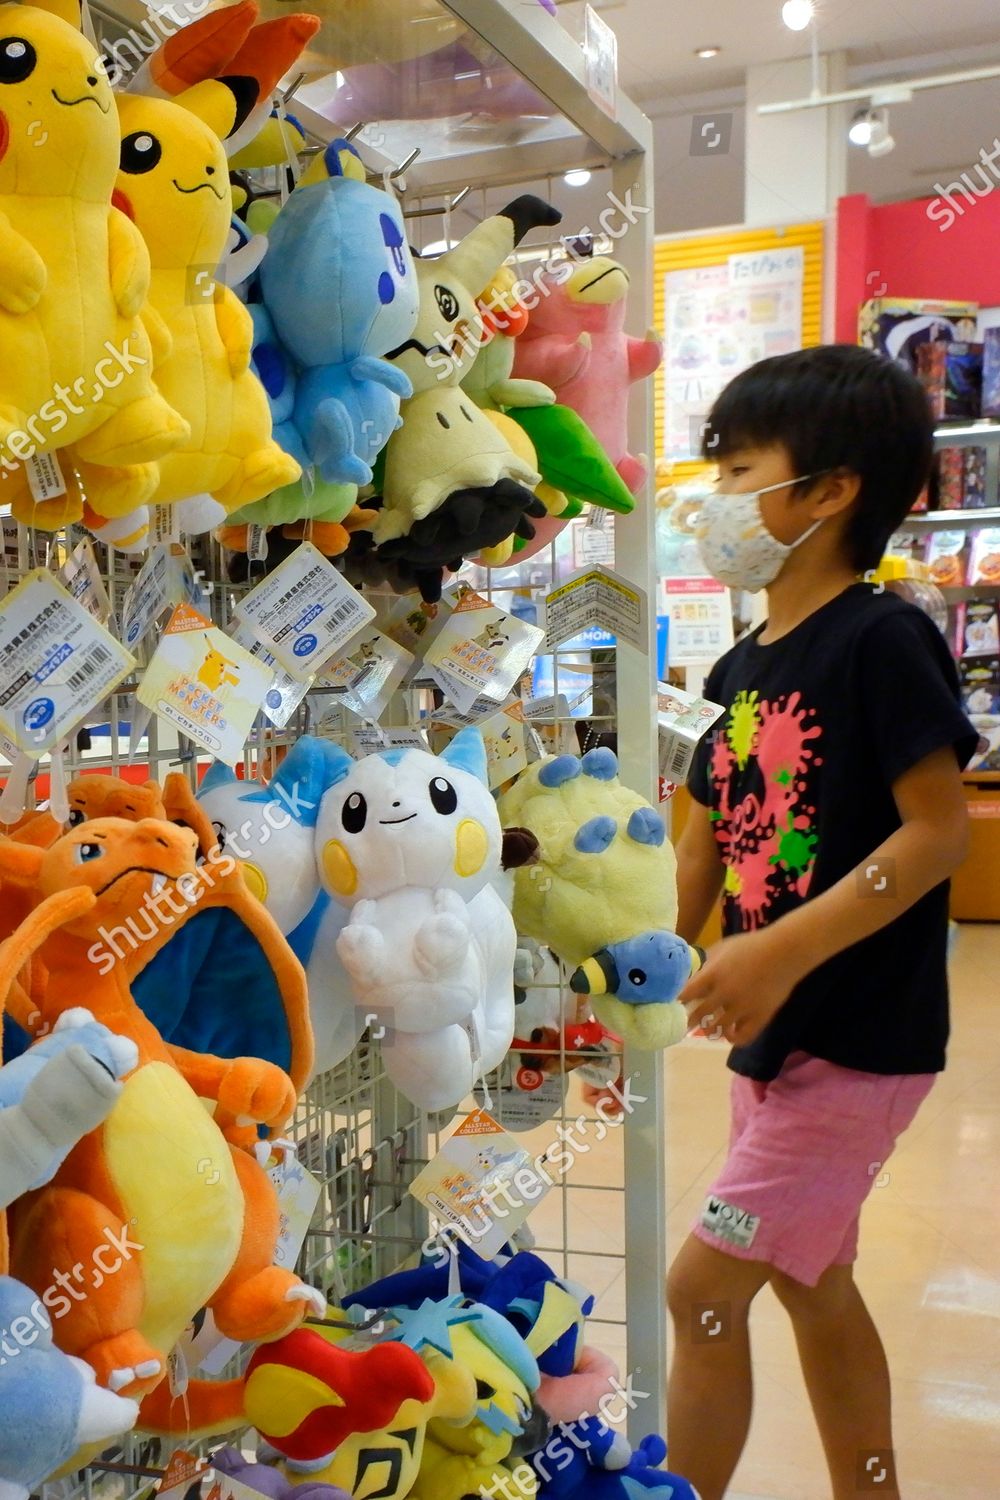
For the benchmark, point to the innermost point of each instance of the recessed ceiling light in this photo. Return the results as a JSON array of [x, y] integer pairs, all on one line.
[[578, 177], [797, 14], [707, 52]]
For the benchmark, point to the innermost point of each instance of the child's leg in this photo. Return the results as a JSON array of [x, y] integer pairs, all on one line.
[[710, 1395], [847, 1378]]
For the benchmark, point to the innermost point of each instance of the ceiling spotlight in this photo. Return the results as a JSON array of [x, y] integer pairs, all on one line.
[[797, 14], [860, 132], [578, 177], [880, 142], [707, 52]]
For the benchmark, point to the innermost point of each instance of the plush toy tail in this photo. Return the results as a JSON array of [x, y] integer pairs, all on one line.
[[208, 1408]]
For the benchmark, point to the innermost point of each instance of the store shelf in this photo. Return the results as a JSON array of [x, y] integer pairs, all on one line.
[[968, 435], [951, 520], [956, 593]]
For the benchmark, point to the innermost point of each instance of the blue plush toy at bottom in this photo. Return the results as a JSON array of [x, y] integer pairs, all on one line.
[[592, 1462]]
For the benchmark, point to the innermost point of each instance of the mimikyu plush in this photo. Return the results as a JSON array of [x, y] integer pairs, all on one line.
[[411, 843]]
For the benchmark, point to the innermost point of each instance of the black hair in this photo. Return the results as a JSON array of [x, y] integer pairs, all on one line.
[[836, 407]]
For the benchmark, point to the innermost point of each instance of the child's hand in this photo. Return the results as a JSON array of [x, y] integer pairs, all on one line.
[[743, 982]]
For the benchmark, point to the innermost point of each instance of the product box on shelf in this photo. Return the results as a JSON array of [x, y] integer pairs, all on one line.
[[974, 496], [991, 372], [897, 326], [949, 479], [947, 552], [952, 376], [978, 628], [979, 677], [984, 557]]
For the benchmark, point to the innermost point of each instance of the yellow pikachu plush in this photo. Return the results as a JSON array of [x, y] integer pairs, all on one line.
[[77, 362], [174, 184]]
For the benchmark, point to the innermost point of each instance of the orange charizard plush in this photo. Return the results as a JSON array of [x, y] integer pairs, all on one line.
[[154, 1215]]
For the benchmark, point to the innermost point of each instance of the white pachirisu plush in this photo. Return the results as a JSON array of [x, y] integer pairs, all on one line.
[[411, 843]]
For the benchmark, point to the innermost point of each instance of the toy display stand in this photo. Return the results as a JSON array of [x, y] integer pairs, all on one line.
[[354, 1132]]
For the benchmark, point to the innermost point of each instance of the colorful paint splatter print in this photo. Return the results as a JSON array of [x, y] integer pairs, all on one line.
[[762, 768]]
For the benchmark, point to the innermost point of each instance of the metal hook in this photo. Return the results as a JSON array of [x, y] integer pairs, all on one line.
[[398, 171], [293, 89], [355, 130]]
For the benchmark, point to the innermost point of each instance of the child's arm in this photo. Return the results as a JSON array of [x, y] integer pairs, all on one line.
[[699, 873], [747, 978]]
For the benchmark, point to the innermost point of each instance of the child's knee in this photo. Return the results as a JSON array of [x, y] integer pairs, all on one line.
[[702, 1278]]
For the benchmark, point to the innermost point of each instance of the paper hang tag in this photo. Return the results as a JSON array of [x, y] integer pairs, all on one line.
[[370, 738], [481, 1183], [415, 625], [504, 736], [204, 684], [82, 577], [304, 612], [370, 673], [284, 694], [45, 477], [598, 597], [682, 719], [166, 578], [257, 542], [58, 663], [164, 524], [480, 653]]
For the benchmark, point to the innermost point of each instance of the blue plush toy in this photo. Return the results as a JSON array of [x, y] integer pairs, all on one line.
[[339, 291], [50, 1404], [650, 968], [592, 1462]]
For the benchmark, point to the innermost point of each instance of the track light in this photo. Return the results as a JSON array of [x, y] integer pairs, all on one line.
[[860, 132], [880, 142], [797, 14], [578, 177]]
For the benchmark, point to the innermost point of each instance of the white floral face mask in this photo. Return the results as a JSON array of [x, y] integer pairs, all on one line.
[[735, 544]]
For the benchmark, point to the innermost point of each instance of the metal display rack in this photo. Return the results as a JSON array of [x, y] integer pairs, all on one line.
[[353, 1131]]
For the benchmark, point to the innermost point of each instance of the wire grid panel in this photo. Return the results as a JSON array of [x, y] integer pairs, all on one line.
[[353, 1131]]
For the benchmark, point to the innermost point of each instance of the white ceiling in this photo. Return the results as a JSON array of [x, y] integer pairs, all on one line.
[[940, 132]]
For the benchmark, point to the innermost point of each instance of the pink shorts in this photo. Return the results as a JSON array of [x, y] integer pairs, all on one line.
[[805, 1150]]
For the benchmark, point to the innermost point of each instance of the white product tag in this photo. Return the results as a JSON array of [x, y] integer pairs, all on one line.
[[594, 540], [257, 542], [164, 524], [600, 51], [45, 477], [204, 684], [82, 577], [370, 738], [58, 663], [597, 597], [482, 1183], [700, 616], [166, 577], [481, 652], [304, 611], [415, 625], [682, 719], [8, 749], [370, 674], [284, 694], [504, 737]]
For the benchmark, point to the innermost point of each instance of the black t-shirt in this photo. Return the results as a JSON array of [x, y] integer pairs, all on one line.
[[798, 778]]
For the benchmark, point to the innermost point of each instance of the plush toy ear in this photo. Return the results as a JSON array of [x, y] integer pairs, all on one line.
[[20, 864], [203, 48], [468, 753], [221, 103], [338, 764], [66, 10], [217, 775], [483, 251], [309, 769]]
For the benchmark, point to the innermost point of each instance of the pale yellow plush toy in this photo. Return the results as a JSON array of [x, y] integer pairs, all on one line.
[[74, 273], [174, 184]]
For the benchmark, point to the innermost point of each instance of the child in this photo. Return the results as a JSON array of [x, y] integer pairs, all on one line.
[[832, 814]]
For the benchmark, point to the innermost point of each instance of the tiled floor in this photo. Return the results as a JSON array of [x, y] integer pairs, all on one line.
[[929, 1267]]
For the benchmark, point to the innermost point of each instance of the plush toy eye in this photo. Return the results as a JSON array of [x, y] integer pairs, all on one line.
[[140, 153], [355, 813], [219, 829], [637, 976], [87, 852], [443, 796], [76, 817], [447, 303], [17, 60]]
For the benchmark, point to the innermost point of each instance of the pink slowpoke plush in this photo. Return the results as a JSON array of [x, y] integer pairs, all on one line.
[[576, 343]]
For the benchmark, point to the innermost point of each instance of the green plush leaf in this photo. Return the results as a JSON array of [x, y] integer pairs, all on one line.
[[571, 459]]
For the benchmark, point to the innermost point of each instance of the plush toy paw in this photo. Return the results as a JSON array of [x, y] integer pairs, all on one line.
[[310, 1295], [361, 946], [258, 1092], [102, 1413], [126, 1364], [262, 1308], [441, 944]]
